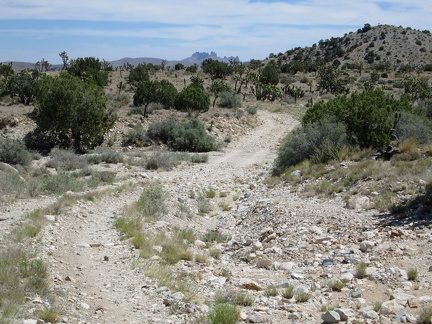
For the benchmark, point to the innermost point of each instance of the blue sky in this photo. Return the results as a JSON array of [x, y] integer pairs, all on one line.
[[173, 29]]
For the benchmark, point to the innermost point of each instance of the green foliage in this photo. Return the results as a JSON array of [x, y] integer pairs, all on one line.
[[330, 79], [22, 85], [66, 160], [152, 201], [270, 74], [368, 116], [136, 136], [224, 313], [425, 315], [415, 127], [293, 91], [179, 67], [312, 140], [73, 112], [212, 236], [139, 73], [90, 70], [189, 136], [192, 99], [217, 87], [229, 100], [147, 92], [216, 69], [192, 68], [417, 88], [14, 152], [412, 274], [265, 91]]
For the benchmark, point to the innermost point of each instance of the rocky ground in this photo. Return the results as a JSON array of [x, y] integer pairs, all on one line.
[[277, 239]]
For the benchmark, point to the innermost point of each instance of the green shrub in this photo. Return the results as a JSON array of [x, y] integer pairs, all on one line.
[[215, 236], [189, 136], [320, 141], [194, 99], [152, 200], [224, 313], [425, 316], [136, 136], [414, 127], [61, 183], [229, 99], [251, 110], [107, 155], [73, 112], [66, 160], [14, 152], [368, 116]]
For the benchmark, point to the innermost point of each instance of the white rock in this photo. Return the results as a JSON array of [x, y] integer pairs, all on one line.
[[330, 317], [345, 313], [366, 246], [199, 244], [390, 307], [346, 276], [84, 306]]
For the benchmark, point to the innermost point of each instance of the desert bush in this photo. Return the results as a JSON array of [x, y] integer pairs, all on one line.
[[251, 110], [192, 99], [412, 274], [368, 116], [229, 99], [152, 201], [106, 155], [320, 141], [234, 297], [73, 112], [61, 183], [136, 136], [14, 152], [425, 315], [361, 270], [212, 236], [66, 160], [224, 313], [189, 136], [415, 127]]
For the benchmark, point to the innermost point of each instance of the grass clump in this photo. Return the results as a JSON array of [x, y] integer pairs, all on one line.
[[26, 231], [66, 160], [49, 315], [335, 285], [288, 292], [152, 201], [203, 203], [212, 236], [425, 315], [211, 193], [302, 297], [20, 273], [234, 297], [272, 291], [361, 270], [14, 152], [224, 313], [412, 274]]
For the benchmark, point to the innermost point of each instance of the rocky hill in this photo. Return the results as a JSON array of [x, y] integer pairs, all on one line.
[[390, 46]]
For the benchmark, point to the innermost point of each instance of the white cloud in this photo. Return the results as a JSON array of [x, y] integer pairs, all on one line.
[[237, 27]]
